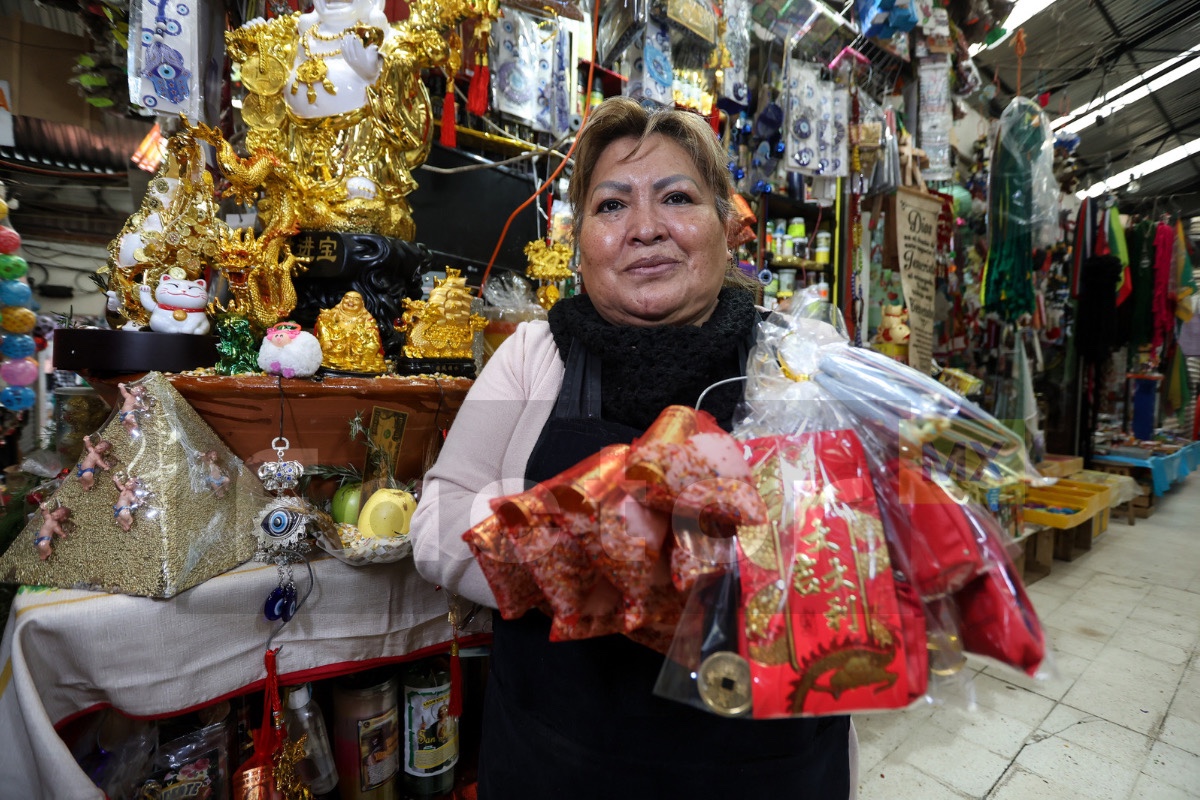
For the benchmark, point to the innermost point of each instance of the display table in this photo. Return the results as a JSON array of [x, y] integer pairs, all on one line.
[[1164, 470], [68, 652]]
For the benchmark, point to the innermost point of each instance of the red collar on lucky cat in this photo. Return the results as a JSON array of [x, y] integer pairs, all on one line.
[[165, 307]]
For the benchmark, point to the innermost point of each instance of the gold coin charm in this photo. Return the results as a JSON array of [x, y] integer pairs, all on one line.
[[264, 74], [724, 683], [180, 315], [262, 111]]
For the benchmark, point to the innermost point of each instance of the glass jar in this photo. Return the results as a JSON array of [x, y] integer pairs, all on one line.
[[366, 735]]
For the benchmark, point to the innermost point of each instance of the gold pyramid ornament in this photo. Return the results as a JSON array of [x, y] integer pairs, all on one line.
[[176, 508]]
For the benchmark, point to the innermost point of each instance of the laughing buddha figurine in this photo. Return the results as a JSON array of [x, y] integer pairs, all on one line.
[[335, 100]]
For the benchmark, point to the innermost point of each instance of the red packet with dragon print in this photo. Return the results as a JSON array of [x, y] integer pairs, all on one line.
[[822, 622]]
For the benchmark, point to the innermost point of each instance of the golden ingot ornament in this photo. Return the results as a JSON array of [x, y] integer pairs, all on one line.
[[335, 97], [442, 326], [349, 337], [548, 265]]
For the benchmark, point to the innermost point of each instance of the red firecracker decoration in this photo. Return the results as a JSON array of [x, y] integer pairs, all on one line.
[[449, 116], [477, 95]]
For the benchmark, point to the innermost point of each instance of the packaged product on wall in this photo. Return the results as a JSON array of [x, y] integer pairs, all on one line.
[[529, 64], [737, 41], [651, 76], [936, 117]]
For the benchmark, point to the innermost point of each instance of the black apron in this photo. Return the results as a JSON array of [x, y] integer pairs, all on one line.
[[579, 720]]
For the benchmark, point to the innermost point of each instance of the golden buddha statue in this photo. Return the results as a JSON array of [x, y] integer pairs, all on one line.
[[335, 101], [349, 337]]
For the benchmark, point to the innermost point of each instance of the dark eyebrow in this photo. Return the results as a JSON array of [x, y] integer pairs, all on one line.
[[662, 183], [614, 185]]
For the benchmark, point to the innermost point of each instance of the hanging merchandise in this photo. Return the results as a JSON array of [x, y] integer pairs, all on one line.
[[164, 57], [620, 26], [19, 368], [734, 87], [935, 117], [808, 102], [694, 29], [1022, 195], [650, 74], [528, 57], [916, 232]]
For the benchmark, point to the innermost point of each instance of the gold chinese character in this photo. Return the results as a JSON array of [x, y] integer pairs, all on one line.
[[305, 248], [837, 610], [328, 248], [804, 574], [817, 538]]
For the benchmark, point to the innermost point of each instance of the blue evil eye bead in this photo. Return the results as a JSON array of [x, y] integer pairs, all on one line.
[[739, 173], [273, 608], [166, 72], [147, 36], [18, 398], [15, 293], [288, 608], [183, 9], [149, 101], [18, 346], [173, 27], [281, 523], [780, 147], [802, 128]]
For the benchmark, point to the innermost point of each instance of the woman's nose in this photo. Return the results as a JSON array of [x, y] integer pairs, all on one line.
[[647, 227]]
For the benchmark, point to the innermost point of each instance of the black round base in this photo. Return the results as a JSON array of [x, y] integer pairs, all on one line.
[[99, 350], [454, 367]]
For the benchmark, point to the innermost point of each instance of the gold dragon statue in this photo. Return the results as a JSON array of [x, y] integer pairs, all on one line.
[[259, 271], [442, 326]]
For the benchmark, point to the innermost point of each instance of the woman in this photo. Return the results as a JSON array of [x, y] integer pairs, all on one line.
[[656, 327]]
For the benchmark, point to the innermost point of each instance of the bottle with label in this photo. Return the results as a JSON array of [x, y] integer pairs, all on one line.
[[366, 735], [303, 718], [430, 733]]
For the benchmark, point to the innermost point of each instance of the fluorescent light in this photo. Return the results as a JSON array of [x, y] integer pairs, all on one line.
[[1022, 12], [1160, 161], [1163, 75]]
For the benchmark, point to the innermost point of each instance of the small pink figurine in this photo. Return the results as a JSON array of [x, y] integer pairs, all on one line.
[[92, 460], [133, 400], [126, 502], [55, 523], [218, 481]]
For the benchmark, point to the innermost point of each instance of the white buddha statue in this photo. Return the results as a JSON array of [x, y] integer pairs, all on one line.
[[335, 95]]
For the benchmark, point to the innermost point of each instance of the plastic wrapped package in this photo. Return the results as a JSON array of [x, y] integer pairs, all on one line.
[[511, 301], [734, 85], [164, 57], [651, 75], [1022, 207], [824, 559], [620, 25]]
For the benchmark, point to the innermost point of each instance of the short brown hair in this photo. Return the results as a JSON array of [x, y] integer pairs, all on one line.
[[621, 117]]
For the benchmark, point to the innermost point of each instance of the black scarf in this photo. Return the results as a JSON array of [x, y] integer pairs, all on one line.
[[644, 370]]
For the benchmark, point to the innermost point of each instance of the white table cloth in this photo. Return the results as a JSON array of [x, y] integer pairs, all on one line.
[[67, 652]]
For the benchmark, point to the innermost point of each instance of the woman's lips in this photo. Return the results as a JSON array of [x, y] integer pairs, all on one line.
[[651, 266]]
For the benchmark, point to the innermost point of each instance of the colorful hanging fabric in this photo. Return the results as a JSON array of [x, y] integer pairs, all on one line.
[[1179, 391], [1162, 307], [1142, 271], [1118, 247], [1185, 280]]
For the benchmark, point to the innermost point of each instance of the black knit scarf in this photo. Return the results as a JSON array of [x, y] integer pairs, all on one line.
[[645, 370]]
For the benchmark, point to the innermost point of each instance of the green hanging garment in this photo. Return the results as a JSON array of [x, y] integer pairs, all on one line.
[[1015, 208]]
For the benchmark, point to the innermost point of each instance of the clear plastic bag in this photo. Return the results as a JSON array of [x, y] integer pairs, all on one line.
[[825, 558], [620, 24]]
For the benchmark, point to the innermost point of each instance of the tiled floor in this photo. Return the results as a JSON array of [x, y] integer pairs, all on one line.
[[1121, 720]]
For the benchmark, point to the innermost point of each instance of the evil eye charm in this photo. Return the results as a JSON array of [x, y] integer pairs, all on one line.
[[273, 608], [802, 128], [288, 609], [805, 157], [282, 523]]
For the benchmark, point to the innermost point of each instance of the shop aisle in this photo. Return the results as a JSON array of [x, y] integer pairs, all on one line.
[[1121, 721]]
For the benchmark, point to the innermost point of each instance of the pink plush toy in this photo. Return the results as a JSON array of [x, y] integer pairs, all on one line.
[[288, 351]]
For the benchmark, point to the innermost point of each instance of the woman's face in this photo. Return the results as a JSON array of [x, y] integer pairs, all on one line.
[[652, 248]]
